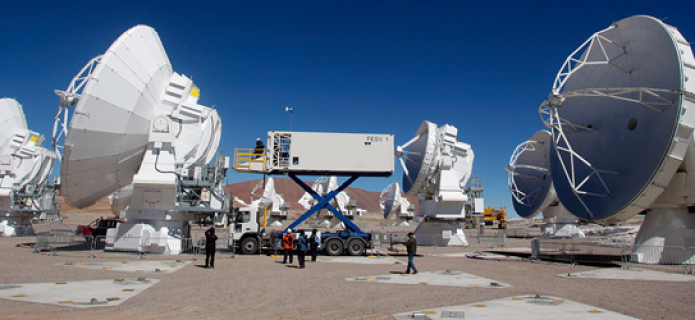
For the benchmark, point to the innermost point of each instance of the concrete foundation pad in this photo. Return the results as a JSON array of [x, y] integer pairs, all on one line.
[[451, 278], [528, 306], [145, 266], [79, 294], [630, 274], [478, 255], [363, 260]]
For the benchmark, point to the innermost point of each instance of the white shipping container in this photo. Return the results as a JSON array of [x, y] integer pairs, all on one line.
[[330, 153]]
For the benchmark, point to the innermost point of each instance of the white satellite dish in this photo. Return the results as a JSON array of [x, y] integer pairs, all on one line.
[[108, 135], [392, 202], [621, 115], [307, 201], [531, 186], [436, 168], [270, 207], [342, 202], [136, 121], [24, 170]]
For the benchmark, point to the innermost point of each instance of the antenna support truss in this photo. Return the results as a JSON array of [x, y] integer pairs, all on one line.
[[69, 98]]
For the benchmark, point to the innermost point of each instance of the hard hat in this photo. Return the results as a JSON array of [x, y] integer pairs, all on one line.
[[289, 230], [258, 139]]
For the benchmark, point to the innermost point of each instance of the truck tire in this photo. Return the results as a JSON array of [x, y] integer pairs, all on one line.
[[249, 245], [334, 247], [356, 247]]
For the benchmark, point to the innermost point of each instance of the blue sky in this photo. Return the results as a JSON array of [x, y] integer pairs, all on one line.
[[344, 66]]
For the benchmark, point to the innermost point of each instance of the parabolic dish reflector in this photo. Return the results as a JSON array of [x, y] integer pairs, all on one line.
[[530, 178], [388, 199], [624, 122], [109, 131], [11, 119], [420, 158]]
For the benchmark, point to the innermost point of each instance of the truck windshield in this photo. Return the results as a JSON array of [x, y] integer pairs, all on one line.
[[243, 217]]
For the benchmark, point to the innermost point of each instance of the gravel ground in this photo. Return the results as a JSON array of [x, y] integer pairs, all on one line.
[[259, 287]]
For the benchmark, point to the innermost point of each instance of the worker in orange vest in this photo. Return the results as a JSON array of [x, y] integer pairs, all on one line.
[[288, 244]]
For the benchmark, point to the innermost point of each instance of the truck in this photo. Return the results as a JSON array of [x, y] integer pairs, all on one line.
[[492, 215], [311, 154], [98, 227], [251, 230]]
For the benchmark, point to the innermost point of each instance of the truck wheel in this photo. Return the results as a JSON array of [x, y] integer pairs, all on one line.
[[356, 247], [249, 245], [334, 247]]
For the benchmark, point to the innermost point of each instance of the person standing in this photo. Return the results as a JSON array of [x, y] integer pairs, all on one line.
[[314, 242], [210, 248], [287, 244], [411, 246], [301, 249], [259, 149]]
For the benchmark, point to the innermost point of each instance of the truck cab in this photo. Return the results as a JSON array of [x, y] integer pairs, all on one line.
[[98, 227]]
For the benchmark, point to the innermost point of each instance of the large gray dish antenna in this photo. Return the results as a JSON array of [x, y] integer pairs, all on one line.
[[420, 158], [621, 115], [529, 175], [109, 131]]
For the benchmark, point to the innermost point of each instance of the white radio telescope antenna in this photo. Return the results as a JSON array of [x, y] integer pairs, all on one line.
[[392, 202], [137, 121], [531, 186], [621, 112], [436, 168], [342, 202], [24, 170], [307, 201]]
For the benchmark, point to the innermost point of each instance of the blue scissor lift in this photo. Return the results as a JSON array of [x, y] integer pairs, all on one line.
[[352, 240]]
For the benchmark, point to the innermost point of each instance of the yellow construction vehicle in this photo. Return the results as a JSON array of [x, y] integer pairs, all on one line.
[[499, 215]]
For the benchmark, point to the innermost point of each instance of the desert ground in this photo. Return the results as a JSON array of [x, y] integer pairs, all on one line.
[[261, 287]]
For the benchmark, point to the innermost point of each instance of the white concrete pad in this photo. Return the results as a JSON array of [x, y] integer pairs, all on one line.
[[362, 260], [79, 294], [630, 274], [452, 278], [146, 266], [528, 307]]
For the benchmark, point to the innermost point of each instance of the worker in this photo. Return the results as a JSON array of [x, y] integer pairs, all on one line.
[[260, 148], [210, 248], [288, 244], [301, 250], [411, 246], [314, 243]]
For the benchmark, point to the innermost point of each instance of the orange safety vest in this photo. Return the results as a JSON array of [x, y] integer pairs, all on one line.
[[288, 241]]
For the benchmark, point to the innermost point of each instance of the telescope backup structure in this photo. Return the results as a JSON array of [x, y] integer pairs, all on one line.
[[621, 112], [25, 167], [531, 186], [436, 168], [138, 122]]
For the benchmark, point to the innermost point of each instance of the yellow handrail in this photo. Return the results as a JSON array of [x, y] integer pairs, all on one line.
[[244, 158]]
